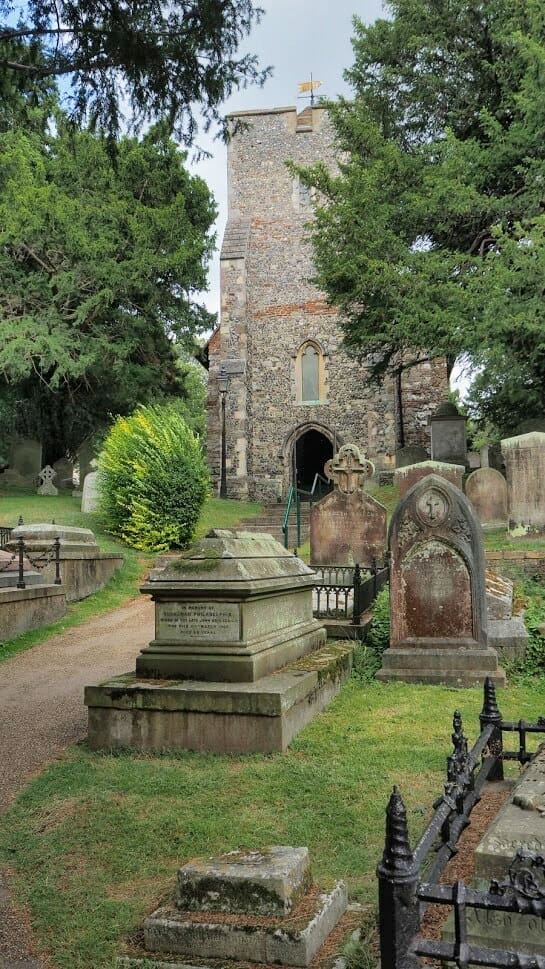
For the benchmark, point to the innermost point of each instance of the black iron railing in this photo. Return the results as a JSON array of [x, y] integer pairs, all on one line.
[[5, 535], [345, 592], [408, 880]]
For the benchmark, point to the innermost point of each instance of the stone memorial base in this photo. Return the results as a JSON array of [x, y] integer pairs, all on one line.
[[253, 906], [249, 717], [31, 608], [457, 666]]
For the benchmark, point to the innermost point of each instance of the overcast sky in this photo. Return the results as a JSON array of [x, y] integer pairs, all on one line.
[[297, 38]]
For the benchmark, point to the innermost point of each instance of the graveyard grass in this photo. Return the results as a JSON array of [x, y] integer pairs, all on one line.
[[96, 839], [65, 510]]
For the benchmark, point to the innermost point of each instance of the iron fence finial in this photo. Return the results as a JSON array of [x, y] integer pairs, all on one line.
[[398, 859], [490, 712]]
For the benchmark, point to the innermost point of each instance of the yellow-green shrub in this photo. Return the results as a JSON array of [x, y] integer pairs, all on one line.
[[153, 479]]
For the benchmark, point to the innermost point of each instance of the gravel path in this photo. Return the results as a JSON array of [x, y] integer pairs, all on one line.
[[42, 712]]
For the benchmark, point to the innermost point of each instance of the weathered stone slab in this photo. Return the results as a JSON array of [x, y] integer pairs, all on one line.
[[437, 590], [519, 825], [31, 608], [293, 944], [486, 489], [268, 882], [260, 717], [406, 477], [525, 468], [499, 596], [25, 462]]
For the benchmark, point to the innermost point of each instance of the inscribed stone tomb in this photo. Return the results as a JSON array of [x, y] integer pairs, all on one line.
[[406, 477], [244, 663], [437, 590], [448, 435], [47, 476], [348, 526], [486, 489], [525, 468]]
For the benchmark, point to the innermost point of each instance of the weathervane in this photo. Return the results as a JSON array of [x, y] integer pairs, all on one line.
[[310, 86]]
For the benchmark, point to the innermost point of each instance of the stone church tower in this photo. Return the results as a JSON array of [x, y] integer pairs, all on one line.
[[293, 395]]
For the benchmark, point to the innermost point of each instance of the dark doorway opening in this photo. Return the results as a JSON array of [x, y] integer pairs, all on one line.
[[312, 450]]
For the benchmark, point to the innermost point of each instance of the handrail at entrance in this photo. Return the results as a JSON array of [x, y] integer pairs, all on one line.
[[293, 498]]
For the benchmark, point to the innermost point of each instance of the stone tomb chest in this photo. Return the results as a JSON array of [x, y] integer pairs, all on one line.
[[437, 590], [235, 607], [238, 663]]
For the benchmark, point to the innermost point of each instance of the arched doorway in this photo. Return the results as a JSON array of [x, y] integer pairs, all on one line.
[[311, 451]]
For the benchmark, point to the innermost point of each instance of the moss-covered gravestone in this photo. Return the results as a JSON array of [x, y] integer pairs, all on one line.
[[238, 662]]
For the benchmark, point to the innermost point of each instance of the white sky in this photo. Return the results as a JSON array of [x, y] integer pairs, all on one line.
[[297, 38]]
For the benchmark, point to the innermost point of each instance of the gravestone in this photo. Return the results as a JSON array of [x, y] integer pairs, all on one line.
[[348, 525], [255, 906], [25, 462], [448, 435], [47, 476], [85, 458], [525, 468], [90, 498], [506, 632], [405, 478], [437, 590], [486, 489], [411, 454]]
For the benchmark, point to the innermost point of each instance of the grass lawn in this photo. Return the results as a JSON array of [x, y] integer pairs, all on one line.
[[96, 839], [65, 510]]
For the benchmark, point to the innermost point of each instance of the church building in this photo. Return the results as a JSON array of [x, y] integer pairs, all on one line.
[[289, 395]]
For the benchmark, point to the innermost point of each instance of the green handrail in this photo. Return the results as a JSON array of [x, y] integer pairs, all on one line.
[[317, 485], [293, 496]]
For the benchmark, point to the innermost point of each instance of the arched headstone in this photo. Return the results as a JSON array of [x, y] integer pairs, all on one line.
[[486, 489], [439, 623]]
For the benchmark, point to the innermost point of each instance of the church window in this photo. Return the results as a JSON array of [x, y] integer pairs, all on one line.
[[310, 374]]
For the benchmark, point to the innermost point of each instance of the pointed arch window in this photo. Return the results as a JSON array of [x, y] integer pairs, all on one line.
[[310, 373]]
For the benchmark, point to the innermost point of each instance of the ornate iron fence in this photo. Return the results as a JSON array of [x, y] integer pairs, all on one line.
[[343, 592], [407, 886]]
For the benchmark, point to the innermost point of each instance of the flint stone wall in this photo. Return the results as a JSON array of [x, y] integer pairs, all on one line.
[[269, 308]]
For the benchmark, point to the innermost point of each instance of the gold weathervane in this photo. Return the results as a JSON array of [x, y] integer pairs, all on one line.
[[308, 88]]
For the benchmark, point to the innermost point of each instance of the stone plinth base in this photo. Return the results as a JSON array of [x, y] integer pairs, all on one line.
[[31, 608], [452, 667], [239, 718], [291, 944]]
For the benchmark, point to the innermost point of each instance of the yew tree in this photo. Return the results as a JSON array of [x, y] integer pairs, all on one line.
[[431, 236], [143, 60], [101, 262]]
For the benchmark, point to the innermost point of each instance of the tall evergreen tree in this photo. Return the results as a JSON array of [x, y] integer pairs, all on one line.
[[432, 235], [100, 264], [155, 60]]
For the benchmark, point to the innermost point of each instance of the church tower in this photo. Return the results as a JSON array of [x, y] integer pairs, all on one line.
[[293, 395]]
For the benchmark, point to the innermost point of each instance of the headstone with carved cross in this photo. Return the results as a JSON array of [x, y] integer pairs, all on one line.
[[439, 625], [348, 526], [46, 476]]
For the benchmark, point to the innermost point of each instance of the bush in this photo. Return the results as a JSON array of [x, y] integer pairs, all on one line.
[[367, 655], [153, 479]]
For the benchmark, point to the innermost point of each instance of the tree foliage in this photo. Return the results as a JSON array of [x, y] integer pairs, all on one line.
[[431, 237], [99, 264], [156, 60]]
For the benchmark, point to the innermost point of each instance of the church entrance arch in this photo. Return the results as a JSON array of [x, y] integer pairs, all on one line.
[[309, 447]]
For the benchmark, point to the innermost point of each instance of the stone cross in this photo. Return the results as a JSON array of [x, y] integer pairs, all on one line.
[[46, 477], [349, 469]]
